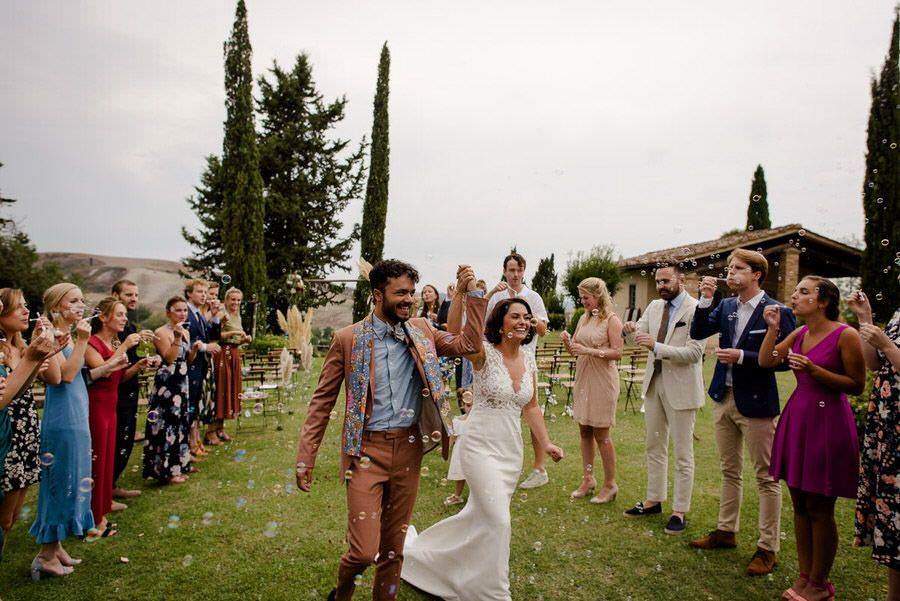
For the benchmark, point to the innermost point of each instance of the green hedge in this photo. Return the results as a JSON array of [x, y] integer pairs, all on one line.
[[557, 321], [267, 342], [574, 321]]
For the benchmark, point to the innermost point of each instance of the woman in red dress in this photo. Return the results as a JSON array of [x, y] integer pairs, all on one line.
[[104, 349], [228, 367]]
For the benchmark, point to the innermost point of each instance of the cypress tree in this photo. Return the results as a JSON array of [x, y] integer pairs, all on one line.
[[207, 256], [545, 278], [243, 205], [310, 176], [881, 185], [375, 206], [758, 209]]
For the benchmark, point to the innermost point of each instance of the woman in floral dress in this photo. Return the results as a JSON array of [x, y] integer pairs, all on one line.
[[167, 452], [878, 497]]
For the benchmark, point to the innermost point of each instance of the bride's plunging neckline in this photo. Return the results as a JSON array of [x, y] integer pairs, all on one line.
[[509, 376]]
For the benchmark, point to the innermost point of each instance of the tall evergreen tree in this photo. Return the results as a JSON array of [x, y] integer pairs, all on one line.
[[208, 257], [310, 176], [545, 277], [881, 185], [758, 209], [243, 205], [375, 206]]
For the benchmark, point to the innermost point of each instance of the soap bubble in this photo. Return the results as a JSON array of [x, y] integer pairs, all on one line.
[[47, 459], [365, 462], [226, 279], [85, 485], [436, 436], [240, 502], [152, 416]]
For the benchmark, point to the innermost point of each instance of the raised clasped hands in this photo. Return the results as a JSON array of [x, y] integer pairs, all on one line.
[[465, 279]]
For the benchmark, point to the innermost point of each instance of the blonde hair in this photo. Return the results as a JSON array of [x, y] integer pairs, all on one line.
[[597, 288], [231, 291], [54, 295], [11, 297]]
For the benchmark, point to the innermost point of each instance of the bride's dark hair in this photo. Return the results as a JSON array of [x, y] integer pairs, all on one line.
[[494, 322]]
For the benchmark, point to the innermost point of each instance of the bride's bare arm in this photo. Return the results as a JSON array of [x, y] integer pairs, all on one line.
[[535, 419]]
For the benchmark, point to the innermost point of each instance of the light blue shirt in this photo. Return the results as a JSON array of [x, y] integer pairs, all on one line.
[[674, 305], [398, 386]]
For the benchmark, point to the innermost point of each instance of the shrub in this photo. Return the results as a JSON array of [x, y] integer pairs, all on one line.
[[574, 321], [266, 342], [600, 262], [557, 321]]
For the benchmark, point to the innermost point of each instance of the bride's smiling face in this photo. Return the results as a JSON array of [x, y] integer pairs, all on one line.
[[517, 322]]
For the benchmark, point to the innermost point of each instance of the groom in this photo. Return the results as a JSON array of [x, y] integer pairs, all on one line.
[[392, 381]]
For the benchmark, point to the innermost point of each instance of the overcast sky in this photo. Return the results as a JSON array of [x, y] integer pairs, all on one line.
[[552, 126]]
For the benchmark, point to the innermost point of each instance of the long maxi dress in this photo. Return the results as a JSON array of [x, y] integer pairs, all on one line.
[[167, 450], [64, 499]]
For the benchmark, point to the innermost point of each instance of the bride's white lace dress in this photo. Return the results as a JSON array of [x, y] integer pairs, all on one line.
[[466, 557]]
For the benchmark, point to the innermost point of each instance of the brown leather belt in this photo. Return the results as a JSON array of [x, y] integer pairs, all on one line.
[[391, 434]]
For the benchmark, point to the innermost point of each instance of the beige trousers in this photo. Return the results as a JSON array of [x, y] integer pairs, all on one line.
[[732, 430], [660, 418]]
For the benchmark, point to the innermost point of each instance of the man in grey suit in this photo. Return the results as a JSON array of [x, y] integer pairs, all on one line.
[[672, 392]]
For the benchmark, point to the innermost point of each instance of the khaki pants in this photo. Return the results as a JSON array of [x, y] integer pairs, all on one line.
[[380, 501], [732, 429], [660, 418]]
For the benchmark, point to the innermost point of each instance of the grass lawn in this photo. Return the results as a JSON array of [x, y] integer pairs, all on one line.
[[264, 540]]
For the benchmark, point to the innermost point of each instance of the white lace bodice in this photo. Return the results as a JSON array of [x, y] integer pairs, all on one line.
[[492, 386]]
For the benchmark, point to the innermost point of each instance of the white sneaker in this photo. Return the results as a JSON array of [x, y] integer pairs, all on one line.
[[535, 479]]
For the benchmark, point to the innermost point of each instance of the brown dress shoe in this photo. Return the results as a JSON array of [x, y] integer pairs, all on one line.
[[763, 562], [717, 539]]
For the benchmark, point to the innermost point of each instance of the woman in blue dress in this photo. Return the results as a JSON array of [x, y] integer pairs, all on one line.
[[64, 500]]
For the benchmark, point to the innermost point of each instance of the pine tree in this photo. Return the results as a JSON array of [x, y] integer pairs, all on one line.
[[310, 176], [208, 257], [375, 206], [881, 185], [758, 209], [243, 205]]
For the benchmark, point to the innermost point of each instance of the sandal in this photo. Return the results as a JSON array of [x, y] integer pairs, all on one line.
[[95, 535], [824, 586], [793, 595], [222, 436]]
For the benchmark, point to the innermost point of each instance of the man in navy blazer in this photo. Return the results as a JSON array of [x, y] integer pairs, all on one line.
[[202, 333], [746, 401]]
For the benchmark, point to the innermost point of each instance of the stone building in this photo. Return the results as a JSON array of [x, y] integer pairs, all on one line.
[[791, 250]]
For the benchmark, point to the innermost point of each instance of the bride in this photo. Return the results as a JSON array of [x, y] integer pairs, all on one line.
[[466, 557]]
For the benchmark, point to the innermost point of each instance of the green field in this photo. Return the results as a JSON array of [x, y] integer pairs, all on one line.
[[266, 541]]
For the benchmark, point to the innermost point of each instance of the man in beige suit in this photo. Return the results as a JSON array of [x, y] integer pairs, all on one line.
[[673, 391]]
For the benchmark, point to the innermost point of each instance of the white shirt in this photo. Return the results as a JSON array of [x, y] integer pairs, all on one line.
[[743, 315], [534, 301]]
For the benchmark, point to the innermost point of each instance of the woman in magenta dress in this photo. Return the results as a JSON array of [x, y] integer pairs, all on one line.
[[103, 395], [815, 449]]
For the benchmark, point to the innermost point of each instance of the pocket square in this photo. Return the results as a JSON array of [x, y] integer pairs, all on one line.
[[756, 332], [679, 324]]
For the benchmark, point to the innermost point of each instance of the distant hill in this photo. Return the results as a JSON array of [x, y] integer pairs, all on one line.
[[158, 280]]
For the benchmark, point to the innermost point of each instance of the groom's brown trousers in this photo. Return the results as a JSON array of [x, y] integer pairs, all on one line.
[[380, 498]]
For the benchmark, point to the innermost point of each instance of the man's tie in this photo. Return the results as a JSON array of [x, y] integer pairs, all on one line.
[[399, 333], [661, 335]]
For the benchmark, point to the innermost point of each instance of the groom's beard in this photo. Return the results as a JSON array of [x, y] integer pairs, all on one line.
[[398, 312]]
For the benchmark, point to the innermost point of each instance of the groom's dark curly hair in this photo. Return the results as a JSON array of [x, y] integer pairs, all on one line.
[[390, 269], [494, 322]]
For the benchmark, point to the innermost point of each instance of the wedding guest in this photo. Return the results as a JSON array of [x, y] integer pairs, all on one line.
[[597, 345], [64, 499], [228, 367], [455, 473], [202, 333], [816, 450], [878, 495], [431, 304], [211, 307], [444, 310], [514, 287], [672, 393], [20, 433], [129, 390], [103, 394], [746, 401], [167, 451]]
